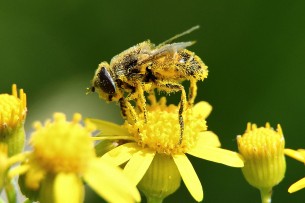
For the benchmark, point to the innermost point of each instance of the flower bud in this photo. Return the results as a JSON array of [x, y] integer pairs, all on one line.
[[12, 116], [263, 152]]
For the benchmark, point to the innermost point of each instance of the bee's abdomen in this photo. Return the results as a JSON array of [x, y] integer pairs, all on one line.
[[191, 65], [179, 66]]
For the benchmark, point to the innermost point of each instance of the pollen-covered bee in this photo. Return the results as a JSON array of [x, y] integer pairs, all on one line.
[[145, 67]]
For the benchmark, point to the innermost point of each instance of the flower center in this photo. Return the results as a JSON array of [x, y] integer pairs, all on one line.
[[161, 132], [62, 146]]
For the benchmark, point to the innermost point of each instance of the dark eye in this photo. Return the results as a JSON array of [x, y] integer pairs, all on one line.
[[106, 82], [92, 89]]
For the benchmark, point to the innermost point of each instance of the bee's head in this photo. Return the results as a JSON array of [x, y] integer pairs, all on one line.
[[103, 83]]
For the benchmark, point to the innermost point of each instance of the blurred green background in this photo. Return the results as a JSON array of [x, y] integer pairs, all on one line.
[[254, 51]]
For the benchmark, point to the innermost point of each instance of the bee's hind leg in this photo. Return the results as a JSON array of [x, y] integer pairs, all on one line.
[[192, 92], [175, 87], [181, 110]]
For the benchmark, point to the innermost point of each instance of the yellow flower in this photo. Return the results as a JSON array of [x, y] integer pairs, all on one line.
[[5, 173], [63, 155], [12, 117], [300, 156], [263, 152], [156, 141]]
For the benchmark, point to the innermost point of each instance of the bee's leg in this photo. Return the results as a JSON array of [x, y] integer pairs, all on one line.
[[141, 102], [151, 94], [152, 97], [192, 92], [181, 110], [148, 87], [175, 87], [128, 111], [139, 97]]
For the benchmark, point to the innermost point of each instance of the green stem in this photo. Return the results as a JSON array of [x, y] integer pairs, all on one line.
[[151, 199], [27, 201], [11, 193], [266, 195]]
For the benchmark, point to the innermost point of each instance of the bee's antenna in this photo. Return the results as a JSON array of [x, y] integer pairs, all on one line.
[[89, 90], [179, 35]]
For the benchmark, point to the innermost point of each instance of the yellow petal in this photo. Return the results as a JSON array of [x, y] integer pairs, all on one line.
[[108, 128], [34, 175], [137, 166], [20, 169], [302, 151], [100, 136], [121, 154], [297, 186], [110, 183], [218, 155], [202, 108], [68, 188], [208, 138], [298, 155], [189, 176]]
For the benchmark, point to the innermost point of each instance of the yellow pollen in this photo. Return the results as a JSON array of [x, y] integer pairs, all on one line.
[[12, 109], [161, 132], [62, 146]]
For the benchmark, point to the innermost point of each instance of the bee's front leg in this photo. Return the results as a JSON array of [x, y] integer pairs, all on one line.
[[139, 97], [128, 111]]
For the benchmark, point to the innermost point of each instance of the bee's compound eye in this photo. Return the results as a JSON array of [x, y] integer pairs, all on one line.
[[92, 89], [106, 82]]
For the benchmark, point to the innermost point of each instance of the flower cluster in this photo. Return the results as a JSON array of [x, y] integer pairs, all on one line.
[[148, 155], [61, 160], [149, 152]]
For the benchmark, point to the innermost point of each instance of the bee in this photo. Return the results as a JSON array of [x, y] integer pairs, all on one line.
[[145, 67]]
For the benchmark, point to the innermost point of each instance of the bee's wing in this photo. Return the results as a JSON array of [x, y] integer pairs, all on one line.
[[166, 49], [172, 48]]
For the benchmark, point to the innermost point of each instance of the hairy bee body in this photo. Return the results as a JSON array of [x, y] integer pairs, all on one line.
[[145, 64], [145, 67]]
